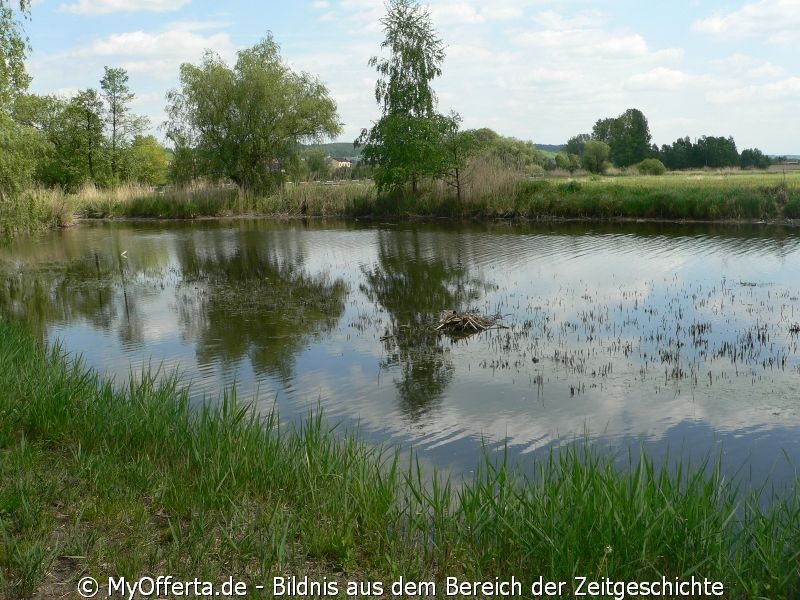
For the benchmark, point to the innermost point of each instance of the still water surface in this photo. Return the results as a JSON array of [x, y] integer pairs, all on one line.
[[678, 338]]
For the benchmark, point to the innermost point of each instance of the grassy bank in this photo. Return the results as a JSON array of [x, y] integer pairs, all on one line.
[[102, 481], [35, 210], [489, 192]]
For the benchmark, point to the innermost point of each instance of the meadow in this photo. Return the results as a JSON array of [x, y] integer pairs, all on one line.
[[128, 479], [489, 191]]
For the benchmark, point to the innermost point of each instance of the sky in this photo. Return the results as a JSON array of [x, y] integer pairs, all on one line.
[[540, 70]]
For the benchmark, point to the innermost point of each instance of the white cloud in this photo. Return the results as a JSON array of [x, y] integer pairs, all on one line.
[[776, 21], [660, 78], [596, 43], [750, 67], [456, 12], [104, 7], [776, 91], [320, 4], [169, 47], [586, 19]]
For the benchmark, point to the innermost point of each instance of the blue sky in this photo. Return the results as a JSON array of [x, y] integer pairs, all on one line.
[[533, 69]]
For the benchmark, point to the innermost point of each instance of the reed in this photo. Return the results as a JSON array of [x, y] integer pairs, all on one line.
[[106, 478], [36, 209]]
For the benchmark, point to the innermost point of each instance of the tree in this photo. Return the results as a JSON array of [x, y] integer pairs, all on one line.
[[244, 123], [145, 161], [20, 149], [84, 127], [715, 152], [459, 146], [122, 125], [651, 166], [628, 136], [14, 79], [576, 144], [317, 162], [754, 158], [595, 156], [405, 145], [568, 161]]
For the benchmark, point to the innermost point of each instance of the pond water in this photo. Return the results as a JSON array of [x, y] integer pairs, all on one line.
[[681, 338]]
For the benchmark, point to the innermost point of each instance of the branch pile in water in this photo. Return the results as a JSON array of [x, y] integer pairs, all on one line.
[[452, 321]]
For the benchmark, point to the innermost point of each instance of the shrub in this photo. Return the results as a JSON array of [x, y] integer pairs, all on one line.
[[651, 166]]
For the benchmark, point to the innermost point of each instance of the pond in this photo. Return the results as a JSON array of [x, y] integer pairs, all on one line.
[[683, 339]]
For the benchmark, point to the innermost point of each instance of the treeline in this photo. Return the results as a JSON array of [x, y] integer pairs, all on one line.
[[247, 123], [92, 137], [625, 141]]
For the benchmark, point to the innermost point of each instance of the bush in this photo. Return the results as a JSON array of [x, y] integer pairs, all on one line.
[[651, 166]]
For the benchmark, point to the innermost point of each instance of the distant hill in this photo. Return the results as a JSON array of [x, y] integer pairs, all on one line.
[[339, 149], [550, 147]]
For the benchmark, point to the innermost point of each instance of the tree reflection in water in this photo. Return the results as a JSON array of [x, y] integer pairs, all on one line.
[[252, 299], [416, 277]]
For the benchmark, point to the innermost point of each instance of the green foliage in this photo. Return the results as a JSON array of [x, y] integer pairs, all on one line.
[[20, 149], [121, 123], [406, 144], [568, 161], [651, 166], [245, 123], [707, 151], [576, 144], [319, 167], [518, 155], [14, 79], [145, 161], [628, 137], [754, 158], [595, 156]]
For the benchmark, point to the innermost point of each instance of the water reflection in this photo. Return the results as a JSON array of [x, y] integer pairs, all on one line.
[[414, 282], [640, 333], [240, 297]]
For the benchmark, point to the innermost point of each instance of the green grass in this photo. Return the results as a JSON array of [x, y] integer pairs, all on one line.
[[131, 480]]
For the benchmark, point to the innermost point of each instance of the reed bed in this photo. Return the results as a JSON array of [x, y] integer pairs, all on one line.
[[488, 190], [36, 209], [128, 479]]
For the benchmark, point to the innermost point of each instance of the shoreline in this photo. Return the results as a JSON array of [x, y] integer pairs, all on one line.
[[102, 480]]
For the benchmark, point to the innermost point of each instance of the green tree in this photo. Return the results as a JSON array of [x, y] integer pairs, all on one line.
[[20, 150], [122, 124], [628, 137], [19, 145], [576, 144], [754, 158], [568, 161], [84, 129], [318, 164], [519, 155], [651, 166], [245, 123], [14, 79], [459, 146], [405, 145], [146, 161], [595, 156]]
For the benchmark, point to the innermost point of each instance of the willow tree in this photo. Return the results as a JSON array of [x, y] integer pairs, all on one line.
[[406, 144], [246, 123]]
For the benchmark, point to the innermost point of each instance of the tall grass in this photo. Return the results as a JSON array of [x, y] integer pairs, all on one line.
[[34, 210], [105, 479]]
